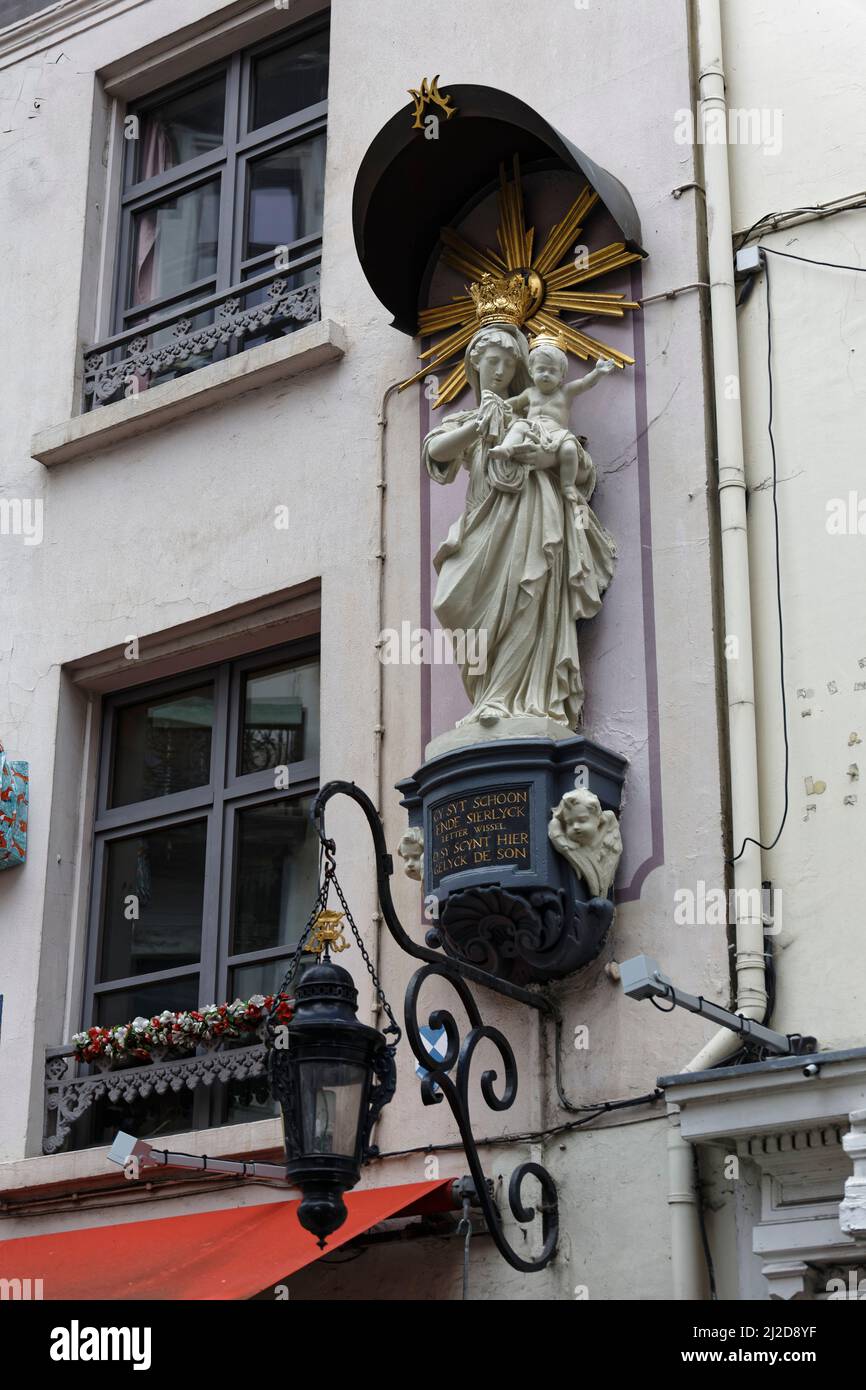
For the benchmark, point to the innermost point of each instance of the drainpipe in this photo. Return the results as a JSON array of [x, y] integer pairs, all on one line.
[[688, 1266], [379, 727], [751, 984], [689, 1272]]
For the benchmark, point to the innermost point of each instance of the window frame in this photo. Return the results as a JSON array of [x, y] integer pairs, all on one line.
[[216, 802], [228, 162]]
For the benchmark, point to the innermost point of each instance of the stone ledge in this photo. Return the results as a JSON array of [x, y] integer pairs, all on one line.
[[106, 425], [89, 1166]]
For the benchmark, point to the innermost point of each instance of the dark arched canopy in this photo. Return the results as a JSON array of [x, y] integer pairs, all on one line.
[[409, 187]]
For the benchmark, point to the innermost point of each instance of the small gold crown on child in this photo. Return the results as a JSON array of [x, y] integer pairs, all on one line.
[[501, 298], [548, 340]]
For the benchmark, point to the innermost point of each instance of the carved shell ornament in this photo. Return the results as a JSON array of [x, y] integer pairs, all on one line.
[[554, 281]]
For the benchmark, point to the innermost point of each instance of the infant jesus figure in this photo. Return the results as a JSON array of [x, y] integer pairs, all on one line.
[[544, 408]]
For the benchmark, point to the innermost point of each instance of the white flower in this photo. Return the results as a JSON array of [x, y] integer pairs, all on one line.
[[140, 1024], [258, 1000]]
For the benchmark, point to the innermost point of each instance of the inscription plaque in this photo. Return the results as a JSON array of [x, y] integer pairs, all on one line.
[[483, 829]]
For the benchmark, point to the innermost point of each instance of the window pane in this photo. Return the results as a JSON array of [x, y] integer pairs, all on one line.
[[162, 746], [276, 874], [281, 717], [289, 80], [256, 979], [154, 888], [123, 1005], [174, 243], [180, 129], [285, 196]]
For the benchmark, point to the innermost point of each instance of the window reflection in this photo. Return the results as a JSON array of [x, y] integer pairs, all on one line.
[[276, 875], [154, 890], [289, 80], [162, 745], [286, 196], [280, 717]]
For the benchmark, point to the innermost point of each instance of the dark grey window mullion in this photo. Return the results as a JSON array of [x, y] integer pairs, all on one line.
[[160, 820], [228, 194], [296, 126], [227, 892], [174, 179], [313, 242], [302, 777], [209, 983], [267, 953], [205, 1102], [153, 977], [156, 812], [106, 765], [94, 929], [152, 306]]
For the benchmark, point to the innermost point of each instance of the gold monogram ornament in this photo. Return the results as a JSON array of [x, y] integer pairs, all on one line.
[[327, 931], [427, 94]]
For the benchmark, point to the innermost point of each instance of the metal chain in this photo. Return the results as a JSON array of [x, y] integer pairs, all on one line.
[[329, 876], [319, 906], [380, 993]]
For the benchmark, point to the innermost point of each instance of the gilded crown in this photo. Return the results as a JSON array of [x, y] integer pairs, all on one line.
[[501, 298], [548, 340]]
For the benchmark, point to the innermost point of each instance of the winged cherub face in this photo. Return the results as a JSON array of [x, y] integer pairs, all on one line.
[[580, 817]]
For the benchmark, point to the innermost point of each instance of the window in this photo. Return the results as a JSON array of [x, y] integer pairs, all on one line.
[[205, 866], [221, 215]]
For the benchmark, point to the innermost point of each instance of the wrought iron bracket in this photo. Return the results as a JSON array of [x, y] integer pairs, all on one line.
[[438, 1082]]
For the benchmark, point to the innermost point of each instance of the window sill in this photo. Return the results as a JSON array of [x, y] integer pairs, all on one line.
[[313, 346]]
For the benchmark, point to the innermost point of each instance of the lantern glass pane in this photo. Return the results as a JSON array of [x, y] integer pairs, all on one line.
[[331, 1096]]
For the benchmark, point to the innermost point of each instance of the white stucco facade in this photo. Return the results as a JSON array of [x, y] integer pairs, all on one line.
[[158, 524]]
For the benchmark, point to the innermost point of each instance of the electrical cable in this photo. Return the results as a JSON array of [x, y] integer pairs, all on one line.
[[809, 260], [750, 839], [832, 265], [852, 203], [503, 1141]]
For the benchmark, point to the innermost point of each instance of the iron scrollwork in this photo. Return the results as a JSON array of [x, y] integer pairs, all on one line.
[[459, 1054], [438, 1083]]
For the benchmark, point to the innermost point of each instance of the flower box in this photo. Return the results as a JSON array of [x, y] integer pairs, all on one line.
[[173, 1035]]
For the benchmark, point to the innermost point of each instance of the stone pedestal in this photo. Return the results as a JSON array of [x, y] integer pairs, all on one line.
[[500, 895]]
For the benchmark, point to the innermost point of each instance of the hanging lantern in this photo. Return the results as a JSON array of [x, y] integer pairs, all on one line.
[[323, 1068]]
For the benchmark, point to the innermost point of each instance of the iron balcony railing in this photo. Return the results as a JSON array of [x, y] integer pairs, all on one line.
[[69, 1096], [180, 338]]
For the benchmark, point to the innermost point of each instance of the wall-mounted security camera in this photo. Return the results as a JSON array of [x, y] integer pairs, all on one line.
[[643, 978]]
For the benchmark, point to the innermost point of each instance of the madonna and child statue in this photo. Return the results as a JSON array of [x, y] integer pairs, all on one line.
[[512, 816], [528, 557]]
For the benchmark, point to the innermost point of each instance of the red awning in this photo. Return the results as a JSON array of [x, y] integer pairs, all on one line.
[[231, 1254]]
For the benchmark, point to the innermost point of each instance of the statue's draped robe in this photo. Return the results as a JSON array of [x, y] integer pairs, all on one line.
[[517, 565]]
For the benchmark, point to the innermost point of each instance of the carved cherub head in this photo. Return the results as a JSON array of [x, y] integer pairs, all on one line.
[[588, 837], [411, 851], [580, 815]]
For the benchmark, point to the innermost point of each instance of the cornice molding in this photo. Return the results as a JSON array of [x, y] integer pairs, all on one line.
[[55, 23]]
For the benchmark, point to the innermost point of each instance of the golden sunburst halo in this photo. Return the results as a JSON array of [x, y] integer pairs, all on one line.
[[552, 278]]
